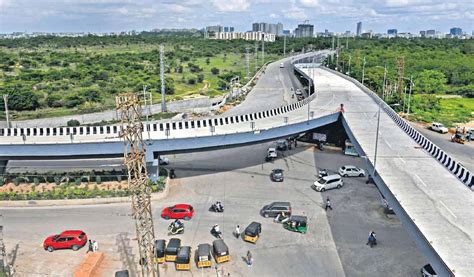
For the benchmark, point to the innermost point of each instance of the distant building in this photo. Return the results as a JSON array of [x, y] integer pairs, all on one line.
[[258, 36], [214, 29], [286, 32], [430, 33], [228, 29], [456, 31], [304, 31], [392, 32], [276, 29], [423, 34], [359, 29]]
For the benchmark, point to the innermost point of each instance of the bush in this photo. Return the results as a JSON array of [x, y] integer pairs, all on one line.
[[192, 81], [77, 181], [215, 71], [36, 181], [57, 180], [73, 123], [17, 181], [2, 181], [200, 78]]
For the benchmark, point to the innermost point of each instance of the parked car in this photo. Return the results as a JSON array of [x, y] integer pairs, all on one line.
[[328, 182], [277, 175], [178, 211], [70, 239], [282, 65], [351, 171], [438, 127], [275, 208], [298, 92], [427, 271]]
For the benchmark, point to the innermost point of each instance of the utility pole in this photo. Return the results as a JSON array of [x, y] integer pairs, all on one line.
[[347, 43], [332, 48], [5, 101], [247, 57], [134, 159], [409, 94], [263, 50], [147, 100], [162, 76], [256, 56], [349, 71], [284, 46], [363, 71]]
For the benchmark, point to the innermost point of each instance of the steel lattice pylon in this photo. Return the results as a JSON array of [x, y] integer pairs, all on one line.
[[134, 159]]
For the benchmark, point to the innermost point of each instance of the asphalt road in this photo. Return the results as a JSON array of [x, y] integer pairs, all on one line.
[[334, 245], [464, 153]]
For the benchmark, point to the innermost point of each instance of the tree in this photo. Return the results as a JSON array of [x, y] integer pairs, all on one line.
[[430, 81], [215, 71], [208, 61], [73, 123], [200, 78]]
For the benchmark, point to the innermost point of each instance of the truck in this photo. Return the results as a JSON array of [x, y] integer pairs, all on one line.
[[438, 127]]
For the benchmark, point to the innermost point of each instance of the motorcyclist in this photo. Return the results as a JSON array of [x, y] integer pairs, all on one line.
[[215, 231], [219, 206], [177, 223], [372, 239]]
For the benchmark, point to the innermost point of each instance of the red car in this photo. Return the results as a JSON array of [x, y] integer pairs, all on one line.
[[71, 239], [178, 211]]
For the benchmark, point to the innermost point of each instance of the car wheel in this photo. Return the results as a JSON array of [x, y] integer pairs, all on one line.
[[265, 215], [345, 175], [50, 249], [75, 247], [167, 217], [339, 186], [186, 218], [361, 175], [323, 189]]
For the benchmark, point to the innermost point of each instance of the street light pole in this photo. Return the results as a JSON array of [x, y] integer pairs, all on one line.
[[349, 71], [409, 94], [363, 71], [5, 101], [377, 136]]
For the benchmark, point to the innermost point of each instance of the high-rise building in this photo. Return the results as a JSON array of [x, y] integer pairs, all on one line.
[[228, 29], [276, 29], [359, 29], [456, 31], [392, 32], [214, 29], [279, 29], [304, 31], [423, 33], [430, 33], [255, 27]]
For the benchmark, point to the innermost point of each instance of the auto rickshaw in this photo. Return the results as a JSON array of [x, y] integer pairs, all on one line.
[[160, 245], [183, 259], [458, 137], [297, 223], [172, 249], [220, 251], [203, 255], [252, 232]]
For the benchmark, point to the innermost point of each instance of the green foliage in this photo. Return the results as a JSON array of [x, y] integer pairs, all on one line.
[[430, 81], [73, 123], [215, 71], [36, 181], [2, 181], [429, 108]]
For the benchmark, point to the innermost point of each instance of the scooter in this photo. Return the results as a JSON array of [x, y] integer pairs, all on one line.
[[175, 230], [216, 209], [322, 173], [216, 234]]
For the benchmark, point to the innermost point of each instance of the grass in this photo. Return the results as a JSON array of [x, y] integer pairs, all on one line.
[[448, 111]]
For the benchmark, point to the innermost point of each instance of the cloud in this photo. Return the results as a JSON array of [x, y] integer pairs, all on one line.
[[274, 15], [309, 3], [231, 5], [296, 13]]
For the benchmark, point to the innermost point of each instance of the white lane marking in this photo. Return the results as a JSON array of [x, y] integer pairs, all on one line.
[[402, 160], [451, 212], [423, 183], [388, 144]]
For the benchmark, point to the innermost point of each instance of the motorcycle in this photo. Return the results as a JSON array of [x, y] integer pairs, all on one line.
[[217, 234], [175, 229], [217, 209], [172, 174], [322, 173], [281, 218], [372, 241]]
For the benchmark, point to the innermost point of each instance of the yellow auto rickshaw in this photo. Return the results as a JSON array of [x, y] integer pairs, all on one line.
[[160, 246], [252, 232], [172, 249], [220, 251], [203, 255], [183, 259]]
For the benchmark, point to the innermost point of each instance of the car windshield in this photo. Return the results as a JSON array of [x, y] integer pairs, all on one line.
[[55, 237], [343, 168], [321, 181], [278, 171]]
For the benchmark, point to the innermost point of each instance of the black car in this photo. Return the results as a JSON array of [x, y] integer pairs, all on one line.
[[277, 175]]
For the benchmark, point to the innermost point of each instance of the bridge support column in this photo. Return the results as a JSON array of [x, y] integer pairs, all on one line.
[[3, 166]]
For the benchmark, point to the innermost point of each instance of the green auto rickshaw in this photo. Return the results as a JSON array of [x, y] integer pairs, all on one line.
[[297, 223]]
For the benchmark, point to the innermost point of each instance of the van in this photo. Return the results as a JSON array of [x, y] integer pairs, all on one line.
[[275, 208], [328, 182]]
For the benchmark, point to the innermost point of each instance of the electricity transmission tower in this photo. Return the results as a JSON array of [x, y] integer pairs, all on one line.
[[134, 159], [401, 72]]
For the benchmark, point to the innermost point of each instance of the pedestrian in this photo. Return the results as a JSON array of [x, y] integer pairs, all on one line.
[[237, 232], [295, 143], [341, 108], [249, 258], [328, 204], [91, 247], [95, 246]]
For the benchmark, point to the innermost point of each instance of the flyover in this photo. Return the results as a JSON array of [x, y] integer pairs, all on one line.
[[422, 184]]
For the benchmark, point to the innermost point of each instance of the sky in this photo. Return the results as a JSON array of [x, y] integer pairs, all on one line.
[[334, 15]]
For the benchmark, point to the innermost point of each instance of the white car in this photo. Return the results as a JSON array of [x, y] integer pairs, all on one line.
[[164, 160], [328, 182], [438, 127], [282, 65], [272, 153], [351, 171]]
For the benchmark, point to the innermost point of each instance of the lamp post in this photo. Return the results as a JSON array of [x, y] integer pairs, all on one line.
[[384, 79], [363, 71], [409, 92], [377, 135]]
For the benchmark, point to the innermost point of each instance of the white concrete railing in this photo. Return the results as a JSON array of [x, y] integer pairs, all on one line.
[[152, 130]]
